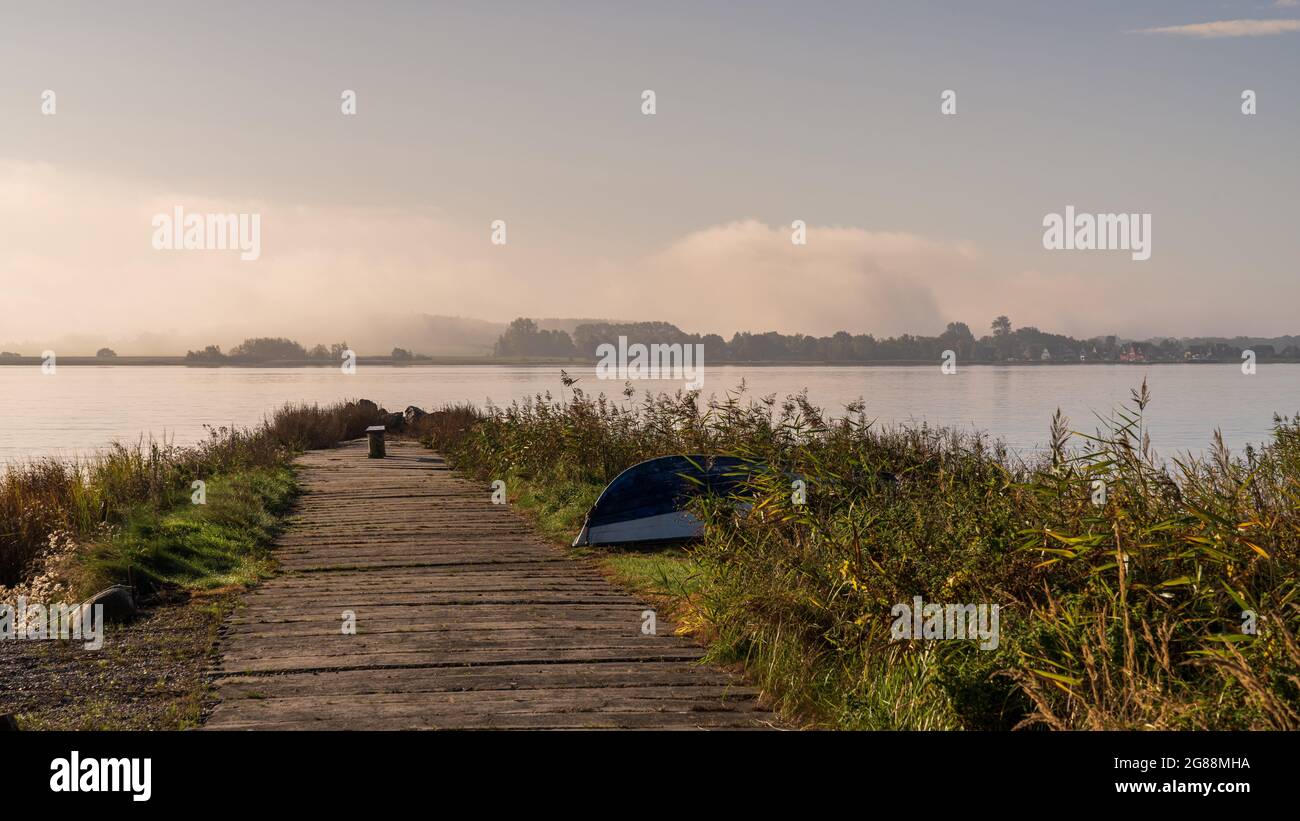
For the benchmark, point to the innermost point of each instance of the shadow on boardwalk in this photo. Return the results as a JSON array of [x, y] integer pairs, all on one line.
[[464, 619]]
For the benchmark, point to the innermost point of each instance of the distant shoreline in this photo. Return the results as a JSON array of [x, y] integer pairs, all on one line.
[[537, 362]]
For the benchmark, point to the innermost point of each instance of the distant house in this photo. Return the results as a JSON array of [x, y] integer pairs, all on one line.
[[1046, 355], [1132, 353]]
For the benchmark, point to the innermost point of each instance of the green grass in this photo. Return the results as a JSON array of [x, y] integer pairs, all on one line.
[[669, 572], [557, 508], [223, 543]]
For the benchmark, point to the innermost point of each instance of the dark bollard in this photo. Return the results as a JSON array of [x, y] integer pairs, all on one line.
[[376, 435]]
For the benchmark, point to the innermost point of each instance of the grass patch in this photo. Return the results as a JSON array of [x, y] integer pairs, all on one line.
[[223, 543], [668, 573], [557, 508]]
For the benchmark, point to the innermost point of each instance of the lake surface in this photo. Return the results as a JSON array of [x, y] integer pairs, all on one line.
[[80, 409]]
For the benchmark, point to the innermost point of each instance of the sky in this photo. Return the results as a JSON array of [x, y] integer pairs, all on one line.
[[532, 113]]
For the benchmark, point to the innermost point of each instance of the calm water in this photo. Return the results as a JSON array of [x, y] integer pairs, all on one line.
[[79, 409]]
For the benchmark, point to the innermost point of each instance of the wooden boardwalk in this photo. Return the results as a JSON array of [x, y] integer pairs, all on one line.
[[464, 619]]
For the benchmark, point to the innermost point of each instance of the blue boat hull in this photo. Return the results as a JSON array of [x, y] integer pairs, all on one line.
[[645, 504]]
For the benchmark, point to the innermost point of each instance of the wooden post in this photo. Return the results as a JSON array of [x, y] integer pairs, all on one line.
[[376, 435]]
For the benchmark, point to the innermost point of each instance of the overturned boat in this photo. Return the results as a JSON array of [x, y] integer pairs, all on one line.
[[645, 503]]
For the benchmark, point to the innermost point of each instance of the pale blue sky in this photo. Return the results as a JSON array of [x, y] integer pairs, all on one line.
[[530, 112]]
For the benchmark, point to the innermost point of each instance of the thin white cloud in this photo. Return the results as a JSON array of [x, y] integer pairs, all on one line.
[[1228, 28]]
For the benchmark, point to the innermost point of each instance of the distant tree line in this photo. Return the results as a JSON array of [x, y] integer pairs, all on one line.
[[522, 338], [1001, 344], [276, 349]]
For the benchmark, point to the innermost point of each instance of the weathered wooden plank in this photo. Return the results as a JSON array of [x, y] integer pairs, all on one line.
[[359, 720], [449, 658], [493, 626], [500, 677], [677, 701], [433, 641], [434, 614]]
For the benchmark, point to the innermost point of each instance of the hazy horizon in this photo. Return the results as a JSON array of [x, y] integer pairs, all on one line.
[[766, 114], [439, 336]]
